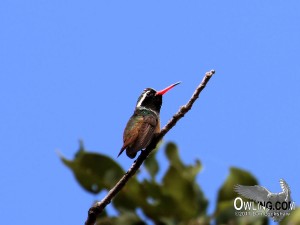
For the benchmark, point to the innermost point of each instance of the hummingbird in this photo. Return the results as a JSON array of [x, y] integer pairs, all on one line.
[[145, 121]]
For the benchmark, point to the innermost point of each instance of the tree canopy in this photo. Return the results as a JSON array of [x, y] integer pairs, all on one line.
[[175, 199]]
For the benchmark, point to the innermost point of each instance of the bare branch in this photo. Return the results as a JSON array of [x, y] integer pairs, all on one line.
[[98, 207]]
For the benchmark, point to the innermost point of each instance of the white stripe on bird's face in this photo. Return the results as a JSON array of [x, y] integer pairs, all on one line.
[[142, 99]]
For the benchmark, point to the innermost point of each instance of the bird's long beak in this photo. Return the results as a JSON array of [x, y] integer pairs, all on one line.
[[162, 92]]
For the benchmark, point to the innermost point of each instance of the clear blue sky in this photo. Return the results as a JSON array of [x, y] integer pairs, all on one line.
[[74, 69]]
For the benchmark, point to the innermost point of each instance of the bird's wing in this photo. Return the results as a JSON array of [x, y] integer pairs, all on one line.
[[138, 133], [256, 193], [146, 132], [285, 190], [131, 132]]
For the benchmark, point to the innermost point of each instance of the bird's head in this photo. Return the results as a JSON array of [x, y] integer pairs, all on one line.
[[152, 99]]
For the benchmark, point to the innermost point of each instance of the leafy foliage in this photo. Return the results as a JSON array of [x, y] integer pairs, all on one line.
[[225, 212], [176, 199]]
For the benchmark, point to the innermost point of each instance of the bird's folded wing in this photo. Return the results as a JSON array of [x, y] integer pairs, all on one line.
[[146, 131]]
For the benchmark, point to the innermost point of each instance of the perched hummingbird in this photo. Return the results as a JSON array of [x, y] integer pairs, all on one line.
[[144, 122]]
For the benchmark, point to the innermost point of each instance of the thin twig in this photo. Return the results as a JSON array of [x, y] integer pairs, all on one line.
[[98, 207]]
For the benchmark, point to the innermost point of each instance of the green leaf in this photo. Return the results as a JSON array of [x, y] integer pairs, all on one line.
[[173, 156], [188, 171], [151, 164], [236, 176], [94, 171], [128, 217], [105, 221], [225, 211], [292, 219], [179, 185], [130, 197]]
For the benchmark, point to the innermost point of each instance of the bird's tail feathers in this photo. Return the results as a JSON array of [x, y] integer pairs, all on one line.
[[122, 150]]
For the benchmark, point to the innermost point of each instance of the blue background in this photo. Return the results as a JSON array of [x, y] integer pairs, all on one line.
[[74, 69]]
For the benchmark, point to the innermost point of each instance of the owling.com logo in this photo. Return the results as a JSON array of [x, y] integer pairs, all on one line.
[[273, 205]]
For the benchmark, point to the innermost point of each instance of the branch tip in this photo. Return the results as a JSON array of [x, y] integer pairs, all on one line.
[[210, 73]]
